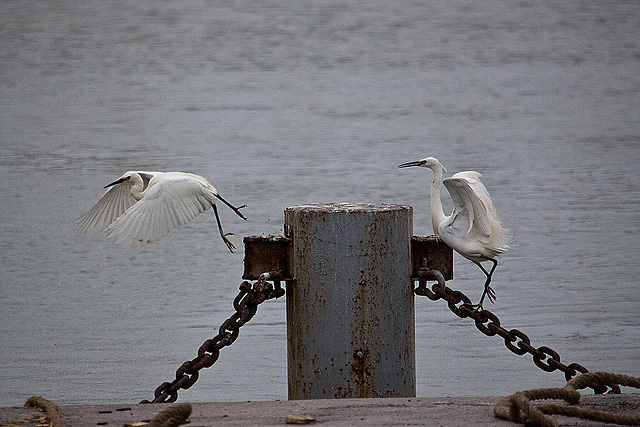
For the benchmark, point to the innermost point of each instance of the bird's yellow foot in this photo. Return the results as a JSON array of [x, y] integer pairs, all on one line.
[[237, 211], [227, 241], [474, 307], [491, 294]]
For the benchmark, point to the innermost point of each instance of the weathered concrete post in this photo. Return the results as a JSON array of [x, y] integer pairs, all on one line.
[[350, 309]]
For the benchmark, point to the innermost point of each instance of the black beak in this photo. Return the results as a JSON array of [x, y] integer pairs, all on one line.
[[121, 180], [406, 165]]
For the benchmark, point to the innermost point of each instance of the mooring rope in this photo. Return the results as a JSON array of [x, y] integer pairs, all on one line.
[[49, 408], [172, 416], [520, 409]]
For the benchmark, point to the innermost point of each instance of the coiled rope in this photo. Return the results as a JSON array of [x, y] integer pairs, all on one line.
[[520, 409], [171, 416], [49, 408]]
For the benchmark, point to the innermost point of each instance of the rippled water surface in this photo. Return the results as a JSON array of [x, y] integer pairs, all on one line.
[[284, 103]]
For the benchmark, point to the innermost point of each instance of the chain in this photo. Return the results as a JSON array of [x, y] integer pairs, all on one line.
[[489, 324], [246, 305], [250, 296]]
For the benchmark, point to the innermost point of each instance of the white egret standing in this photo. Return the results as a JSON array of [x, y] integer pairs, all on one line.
[[473, 229], [143, 207]]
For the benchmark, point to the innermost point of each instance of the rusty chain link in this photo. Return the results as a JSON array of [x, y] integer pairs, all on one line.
[[246, 305], [489, 324]]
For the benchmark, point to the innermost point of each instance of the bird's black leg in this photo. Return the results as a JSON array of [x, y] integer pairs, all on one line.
[[488, 291], [235, 209], [222, 233]]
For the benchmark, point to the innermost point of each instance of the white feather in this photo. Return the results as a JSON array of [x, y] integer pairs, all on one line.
[[143, 207], [115, 201], [473, 229]]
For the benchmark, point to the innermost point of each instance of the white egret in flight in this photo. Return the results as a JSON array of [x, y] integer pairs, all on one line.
[[473, 229], [143, 207]]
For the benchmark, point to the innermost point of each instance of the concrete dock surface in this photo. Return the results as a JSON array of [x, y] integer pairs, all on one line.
[[330, 412]]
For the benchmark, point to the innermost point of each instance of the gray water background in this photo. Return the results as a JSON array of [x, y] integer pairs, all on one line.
[[283, 103]]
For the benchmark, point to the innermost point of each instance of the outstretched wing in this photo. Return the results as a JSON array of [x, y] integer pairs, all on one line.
[[170, 201], [473, 178], [115, 201], [464, 188]]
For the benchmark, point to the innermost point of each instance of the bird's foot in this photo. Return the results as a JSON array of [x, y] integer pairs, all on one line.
[[237, 211], [491, 294], [474, 307], [488, 292], [227, 241]]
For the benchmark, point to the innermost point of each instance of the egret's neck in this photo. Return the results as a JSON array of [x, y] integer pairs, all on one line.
[[437, 213], [137, 190]]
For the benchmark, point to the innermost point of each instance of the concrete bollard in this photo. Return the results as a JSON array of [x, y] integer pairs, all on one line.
[[350, 309]]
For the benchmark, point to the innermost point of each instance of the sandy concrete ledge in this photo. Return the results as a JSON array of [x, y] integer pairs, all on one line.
[[330, 412]]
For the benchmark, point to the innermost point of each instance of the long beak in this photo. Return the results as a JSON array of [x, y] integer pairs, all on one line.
[[120, 181], [236, 210], [406, 165]]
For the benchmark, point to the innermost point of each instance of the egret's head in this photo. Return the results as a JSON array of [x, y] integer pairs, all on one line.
[[137, 179], [126, 177], [428, 162]]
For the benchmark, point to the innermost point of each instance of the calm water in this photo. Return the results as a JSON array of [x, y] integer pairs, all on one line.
[[283, 103]]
